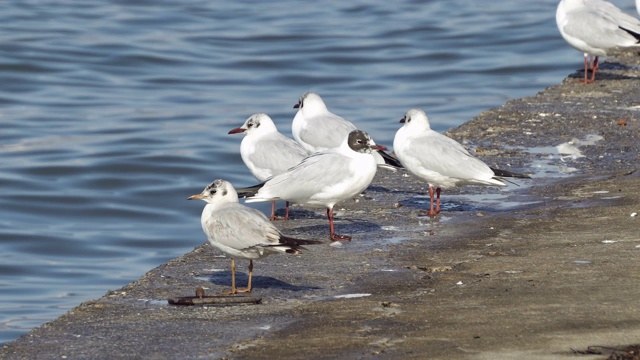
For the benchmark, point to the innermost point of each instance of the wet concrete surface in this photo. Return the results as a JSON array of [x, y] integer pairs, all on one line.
[[547, 268]]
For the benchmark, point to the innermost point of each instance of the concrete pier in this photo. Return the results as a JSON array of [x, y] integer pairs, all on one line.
[[548, 268]]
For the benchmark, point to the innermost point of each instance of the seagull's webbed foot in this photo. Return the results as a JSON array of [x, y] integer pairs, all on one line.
[[336, 237], [430, 213]]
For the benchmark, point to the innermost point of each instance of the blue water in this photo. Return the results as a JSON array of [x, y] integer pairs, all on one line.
[[113, 112]]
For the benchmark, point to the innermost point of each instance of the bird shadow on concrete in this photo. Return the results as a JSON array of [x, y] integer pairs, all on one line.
[[299, 213], [421, 205], [343, 226], [470, 203], [381, 189], [223, 278]]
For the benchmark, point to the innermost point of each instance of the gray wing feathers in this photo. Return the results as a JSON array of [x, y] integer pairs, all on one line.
[[446, 156], [329, 133], [616, 15], [242, 227], [601, 29], [278, 155], [309, 177]]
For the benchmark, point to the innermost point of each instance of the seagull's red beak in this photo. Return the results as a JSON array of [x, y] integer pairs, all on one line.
[[236, 131], [402, 120], [297, 106], [379, 147]]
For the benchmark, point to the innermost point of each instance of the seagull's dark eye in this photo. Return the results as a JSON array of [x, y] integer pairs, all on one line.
[[407, 119], [250, 125], [211, 192]]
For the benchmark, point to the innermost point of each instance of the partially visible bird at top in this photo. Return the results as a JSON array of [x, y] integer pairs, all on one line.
[[267, 152], [596, 28], [439, 160], [240, 231]]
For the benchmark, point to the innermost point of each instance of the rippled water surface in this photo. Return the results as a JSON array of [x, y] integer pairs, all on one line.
[[113, 112]]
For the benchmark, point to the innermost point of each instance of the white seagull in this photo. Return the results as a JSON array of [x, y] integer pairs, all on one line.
[[240, 231], [596, 28], [318, 129], [440, 160], [267, 152], [326, 178]]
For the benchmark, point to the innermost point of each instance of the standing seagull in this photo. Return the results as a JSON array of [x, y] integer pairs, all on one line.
[[596, 28], [240, 231], [440, 160], [327, 177], [266, 152], [315, 127], [318, 129]]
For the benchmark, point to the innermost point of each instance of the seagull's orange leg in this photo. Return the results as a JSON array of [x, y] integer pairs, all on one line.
[[589, 65], [332, 233], [273, 211], [248, 289], [233, 279]]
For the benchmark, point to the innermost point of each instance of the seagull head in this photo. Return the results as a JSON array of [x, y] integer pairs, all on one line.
[[256, 123], [416, 119], [360, 141], [219, 191], [310, 102]]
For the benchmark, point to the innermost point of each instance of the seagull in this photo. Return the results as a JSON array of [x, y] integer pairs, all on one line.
[[240, 231], [267, 152], [318, 129], [440, 160], [326, 178], [596, 28]]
